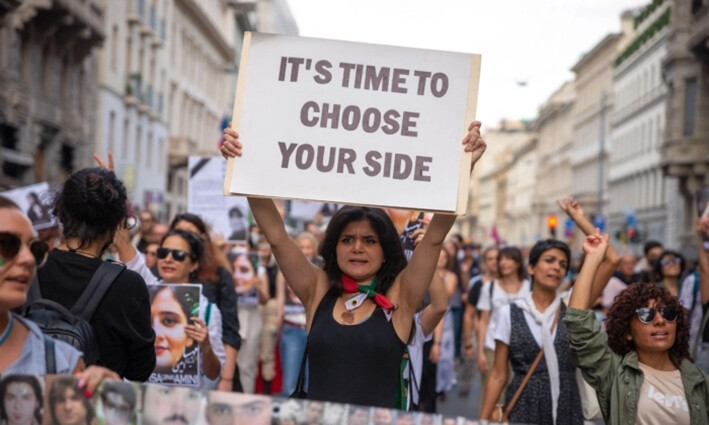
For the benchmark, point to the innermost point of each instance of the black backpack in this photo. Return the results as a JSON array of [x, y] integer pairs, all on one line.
[[73, 326]]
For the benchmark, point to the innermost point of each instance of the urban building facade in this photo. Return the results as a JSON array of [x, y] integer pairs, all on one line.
[[594, 104], [642, 200], [48, 88], [685, 147], [505, 182], [133, 80], [554, 175]]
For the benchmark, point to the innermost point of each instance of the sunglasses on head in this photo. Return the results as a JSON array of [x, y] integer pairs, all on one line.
[[647, 314], [177, 254], [10, 245], [668, 261]]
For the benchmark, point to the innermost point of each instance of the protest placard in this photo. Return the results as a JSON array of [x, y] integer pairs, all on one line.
[[36, 201], [227, 215], [177, 357], [353, 123]]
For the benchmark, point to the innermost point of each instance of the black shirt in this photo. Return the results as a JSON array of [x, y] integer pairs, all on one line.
[[122, 323], [357, 364], [223, 294]]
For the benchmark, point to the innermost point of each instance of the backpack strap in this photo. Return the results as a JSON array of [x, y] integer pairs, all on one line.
[[208, 313], [49, 356], [102, 279]]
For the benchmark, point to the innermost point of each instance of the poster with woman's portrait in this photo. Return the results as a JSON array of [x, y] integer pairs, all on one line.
[[22, 399], [65, 402], [177, 356]]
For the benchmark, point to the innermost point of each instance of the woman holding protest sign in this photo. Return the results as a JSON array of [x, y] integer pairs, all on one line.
[[360, 306]]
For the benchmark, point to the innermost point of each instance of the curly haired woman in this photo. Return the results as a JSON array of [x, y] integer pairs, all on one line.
[[641, 370]]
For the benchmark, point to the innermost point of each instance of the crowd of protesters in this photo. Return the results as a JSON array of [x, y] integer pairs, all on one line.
[[551, 337]]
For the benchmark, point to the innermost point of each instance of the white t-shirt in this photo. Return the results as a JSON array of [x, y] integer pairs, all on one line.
[[662, 399], [500, 298], [503, 330], [415, 348], [690, 299]]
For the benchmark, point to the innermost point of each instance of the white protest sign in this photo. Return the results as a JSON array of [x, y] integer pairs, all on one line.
[[227, 215], [353, 123], [36, 201]]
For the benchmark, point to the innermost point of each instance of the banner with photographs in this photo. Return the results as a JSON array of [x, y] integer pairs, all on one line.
[[703, 213], [36, 201], [177, 356], [59, 400], [228, 215]]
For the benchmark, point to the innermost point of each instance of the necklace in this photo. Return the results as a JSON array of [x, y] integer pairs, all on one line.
[[351, 304], [8, 329]]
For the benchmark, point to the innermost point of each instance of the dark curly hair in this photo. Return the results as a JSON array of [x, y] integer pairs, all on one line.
[[388, 239], [623, 310], [91, 204]]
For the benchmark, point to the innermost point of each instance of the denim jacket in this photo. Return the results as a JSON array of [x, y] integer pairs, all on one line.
[[618, 379]]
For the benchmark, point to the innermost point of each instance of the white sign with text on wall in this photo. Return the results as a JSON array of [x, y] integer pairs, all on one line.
[[353, 123]]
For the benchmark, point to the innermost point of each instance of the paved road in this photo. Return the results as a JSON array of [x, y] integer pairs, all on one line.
[[466, 406]]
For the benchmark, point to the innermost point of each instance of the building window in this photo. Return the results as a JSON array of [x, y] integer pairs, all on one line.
[[138, 145], [111, 131], [149, 153], [690, 106], [114, 49], [126, 138]]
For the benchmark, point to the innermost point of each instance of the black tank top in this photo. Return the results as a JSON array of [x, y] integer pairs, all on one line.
[[357, 364]]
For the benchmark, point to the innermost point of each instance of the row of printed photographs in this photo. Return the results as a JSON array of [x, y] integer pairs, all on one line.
[[58, 400]]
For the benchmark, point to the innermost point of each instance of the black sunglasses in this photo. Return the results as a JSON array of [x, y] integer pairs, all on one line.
[[177, 254], [647, 314], [10, 245]]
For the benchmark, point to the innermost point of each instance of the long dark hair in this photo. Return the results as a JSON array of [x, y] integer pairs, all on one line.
[[388, 239], [32, 381]]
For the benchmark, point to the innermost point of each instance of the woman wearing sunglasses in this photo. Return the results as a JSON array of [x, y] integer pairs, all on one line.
[[22, 344], [178, 259], [669, 270], [641, 370], [218, 286]]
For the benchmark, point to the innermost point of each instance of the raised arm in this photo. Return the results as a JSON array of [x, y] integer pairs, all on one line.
[[417, 275], [610, 262], [595, 247], [302, 276]]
